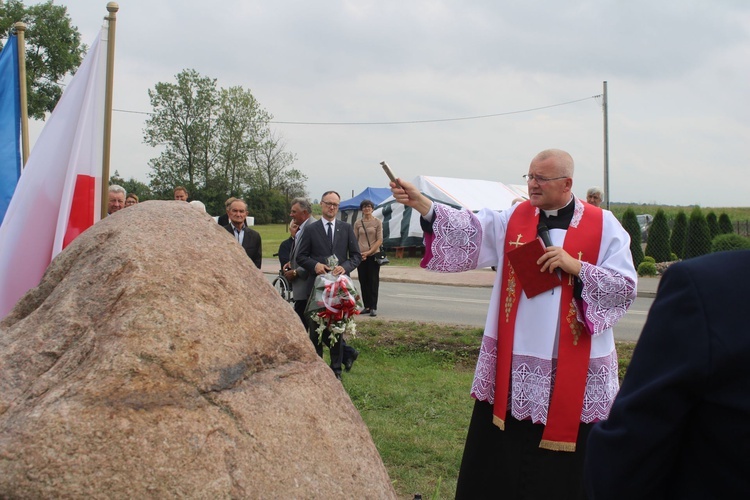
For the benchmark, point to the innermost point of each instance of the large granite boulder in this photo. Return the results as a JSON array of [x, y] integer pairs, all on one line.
[[154, 360]]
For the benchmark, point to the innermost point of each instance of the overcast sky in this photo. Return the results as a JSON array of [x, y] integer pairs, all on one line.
[[678, 74]]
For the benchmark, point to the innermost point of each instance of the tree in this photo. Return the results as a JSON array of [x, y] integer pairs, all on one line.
[[270, 161], [241, 124], [294, 184], [657, 245], [677, 240], [630, 223], [713, 225], [53, 50], [217, 143], [267, 206], [698, 237], [181, 124], [725, 225], [132, 186]]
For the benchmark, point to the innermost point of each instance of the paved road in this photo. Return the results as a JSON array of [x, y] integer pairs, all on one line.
[[465, 305], [468, 306]]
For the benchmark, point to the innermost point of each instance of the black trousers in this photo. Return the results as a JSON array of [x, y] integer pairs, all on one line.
[[341, 350], [510, 464], [336, 349], [369, 280], [299, 308]]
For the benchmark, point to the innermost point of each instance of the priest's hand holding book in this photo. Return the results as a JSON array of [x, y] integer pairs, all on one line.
[[557, 258]]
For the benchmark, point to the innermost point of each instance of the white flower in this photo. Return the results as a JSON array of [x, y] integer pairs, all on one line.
[[336, 329]]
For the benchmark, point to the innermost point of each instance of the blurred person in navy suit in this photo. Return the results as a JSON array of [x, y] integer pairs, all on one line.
[[680, 425]]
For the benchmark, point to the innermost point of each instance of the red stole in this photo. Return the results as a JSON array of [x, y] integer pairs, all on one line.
[[574, 348]]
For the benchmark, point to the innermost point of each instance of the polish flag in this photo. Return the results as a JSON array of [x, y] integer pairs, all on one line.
[[59, 193], [10, 123]]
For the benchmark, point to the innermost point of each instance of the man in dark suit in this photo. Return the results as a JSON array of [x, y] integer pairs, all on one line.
[[320, 240], [285, 247], [301, 280], [248, 238], [679, 427]]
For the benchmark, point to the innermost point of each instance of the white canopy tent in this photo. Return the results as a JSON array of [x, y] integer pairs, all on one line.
[[521, 189], [401, 226]]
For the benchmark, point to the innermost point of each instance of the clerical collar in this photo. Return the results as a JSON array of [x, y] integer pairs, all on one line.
[[560, 218], [560, 211]]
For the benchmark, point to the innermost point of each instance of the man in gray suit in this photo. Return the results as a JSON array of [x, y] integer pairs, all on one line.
[[300, 279], [318, 241]]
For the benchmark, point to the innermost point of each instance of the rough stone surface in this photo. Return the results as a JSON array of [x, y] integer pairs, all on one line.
[[154, 360]]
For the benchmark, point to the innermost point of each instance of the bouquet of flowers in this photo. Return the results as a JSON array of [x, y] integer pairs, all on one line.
[[333, 302]]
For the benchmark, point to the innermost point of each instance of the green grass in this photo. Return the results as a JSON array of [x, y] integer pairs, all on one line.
[[271, 236], [416, 414], [406, 261], [411, 385]]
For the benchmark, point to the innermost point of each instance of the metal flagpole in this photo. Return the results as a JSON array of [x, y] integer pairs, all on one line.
[[20, 29], [112, 8]]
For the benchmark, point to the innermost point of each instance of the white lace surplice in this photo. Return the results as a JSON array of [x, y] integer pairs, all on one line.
[[463, 240]]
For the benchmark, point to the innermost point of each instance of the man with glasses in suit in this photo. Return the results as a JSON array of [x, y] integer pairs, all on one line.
[[320, 240]]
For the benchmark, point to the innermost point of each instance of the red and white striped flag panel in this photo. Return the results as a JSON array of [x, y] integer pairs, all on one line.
[[59, 194]]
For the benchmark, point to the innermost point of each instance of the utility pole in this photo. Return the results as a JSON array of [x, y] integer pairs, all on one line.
[[606, 147]]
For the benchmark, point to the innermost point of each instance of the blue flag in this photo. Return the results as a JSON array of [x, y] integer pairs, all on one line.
[[10, 123]]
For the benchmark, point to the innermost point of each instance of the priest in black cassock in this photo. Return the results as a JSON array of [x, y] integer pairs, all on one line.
[[547, 368]]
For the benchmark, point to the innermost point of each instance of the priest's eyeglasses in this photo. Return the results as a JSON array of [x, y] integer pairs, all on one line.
[[542, 180]]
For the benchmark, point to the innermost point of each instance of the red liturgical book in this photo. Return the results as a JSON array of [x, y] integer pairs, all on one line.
[[533, 281]]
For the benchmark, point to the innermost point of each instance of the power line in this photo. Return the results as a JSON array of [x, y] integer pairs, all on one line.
[[133, 112], [407, 122], [437, 120]]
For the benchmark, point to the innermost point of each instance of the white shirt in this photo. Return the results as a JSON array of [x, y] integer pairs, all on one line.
[[468, 241]]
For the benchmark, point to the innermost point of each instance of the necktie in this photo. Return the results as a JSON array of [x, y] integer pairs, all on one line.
[[330, 232]]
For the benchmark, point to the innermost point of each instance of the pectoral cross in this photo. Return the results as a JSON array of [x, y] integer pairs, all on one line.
[[516, 243]]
